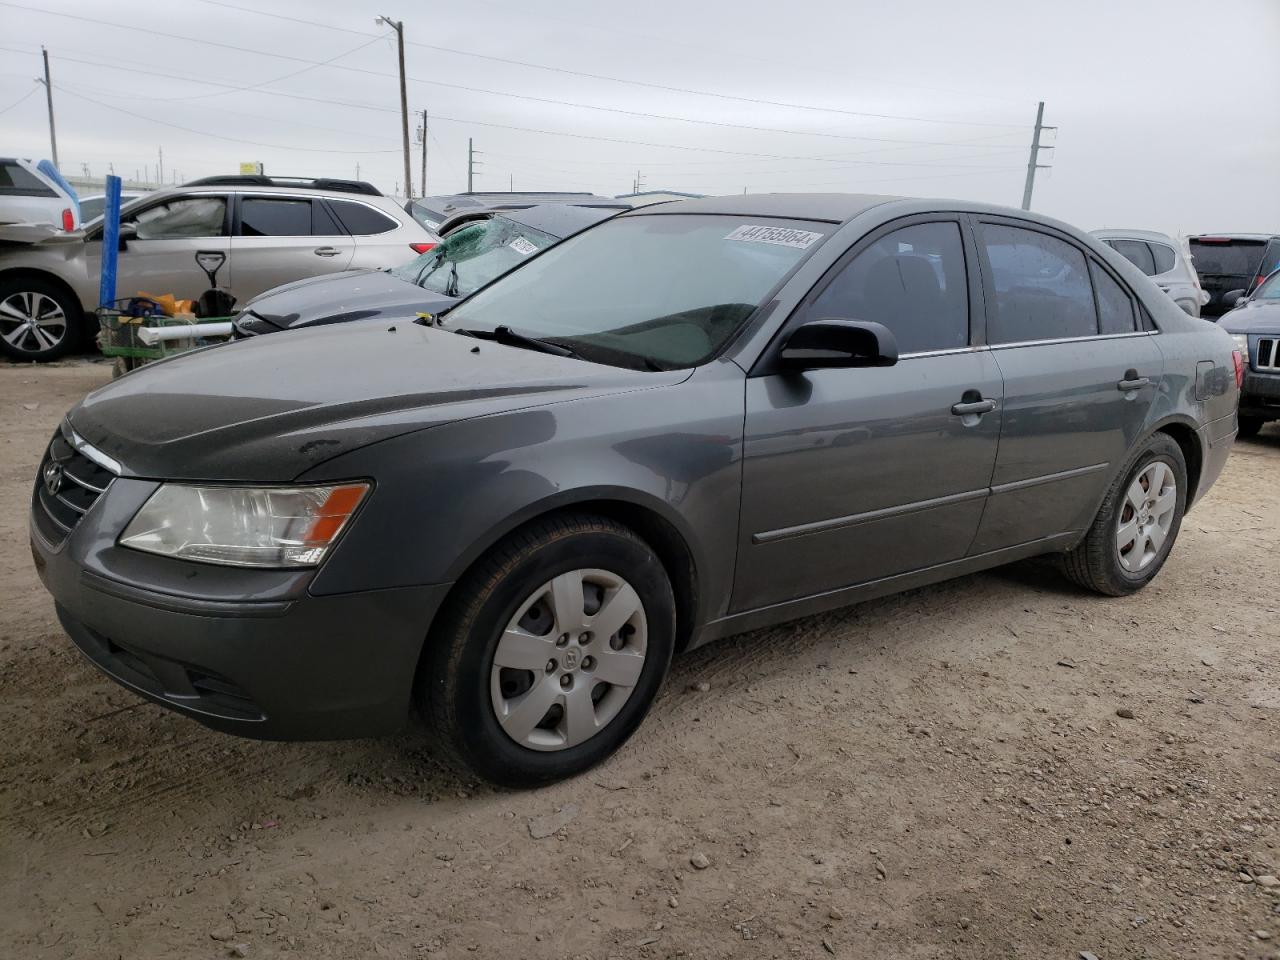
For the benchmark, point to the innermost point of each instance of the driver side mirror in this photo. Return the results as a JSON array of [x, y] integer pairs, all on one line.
[[839, 343], [128, 231]]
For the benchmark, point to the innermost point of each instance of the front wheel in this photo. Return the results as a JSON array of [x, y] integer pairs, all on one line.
[[1137, 524], [38, 320], [550, 652]]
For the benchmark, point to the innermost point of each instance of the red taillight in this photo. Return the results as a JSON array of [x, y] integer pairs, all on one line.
[[68, 219], [1239, 362], [421, 247], [1257, 281]]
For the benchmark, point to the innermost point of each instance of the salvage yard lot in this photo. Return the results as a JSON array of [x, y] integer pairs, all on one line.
[[940, 774]]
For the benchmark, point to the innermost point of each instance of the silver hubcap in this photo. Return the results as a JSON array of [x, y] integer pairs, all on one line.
[[568, 660], [32, 322], [1146, 516]]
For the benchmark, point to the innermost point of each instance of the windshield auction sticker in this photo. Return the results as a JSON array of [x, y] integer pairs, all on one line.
[[783, 236], [522, 246]]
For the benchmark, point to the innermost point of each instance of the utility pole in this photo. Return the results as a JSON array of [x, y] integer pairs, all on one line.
[[424, 131], [160, 168], [48, 92], [472, 163], [398, 27], [511, 183], [1034, 164]]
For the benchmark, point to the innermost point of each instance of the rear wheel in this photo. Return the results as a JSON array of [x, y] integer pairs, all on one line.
[[1249, 426], [1137, 523], [38, 320], [550, 652]]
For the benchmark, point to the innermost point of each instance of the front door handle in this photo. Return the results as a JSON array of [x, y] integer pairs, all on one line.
[[1132, 382], [973, 408], [326, 251]]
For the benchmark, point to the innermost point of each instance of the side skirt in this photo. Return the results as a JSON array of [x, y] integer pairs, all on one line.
[[832, 599]]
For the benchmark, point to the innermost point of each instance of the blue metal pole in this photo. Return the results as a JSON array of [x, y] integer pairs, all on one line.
[[110, 243]]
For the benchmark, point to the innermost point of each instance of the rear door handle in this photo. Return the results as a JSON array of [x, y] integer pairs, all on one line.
[[326, 251], [974, 408]]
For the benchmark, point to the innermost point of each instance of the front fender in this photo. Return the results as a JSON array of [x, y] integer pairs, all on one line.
[[444, 496]]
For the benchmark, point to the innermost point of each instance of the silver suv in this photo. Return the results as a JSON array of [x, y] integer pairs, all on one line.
[[1160, 258], [271, 230]]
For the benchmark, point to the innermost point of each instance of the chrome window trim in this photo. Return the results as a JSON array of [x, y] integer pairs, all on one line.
[[1098, 336]]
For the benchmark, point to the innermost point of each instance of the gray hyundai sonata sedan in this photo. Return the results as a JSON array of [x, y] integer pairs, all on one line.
[[691, 420]]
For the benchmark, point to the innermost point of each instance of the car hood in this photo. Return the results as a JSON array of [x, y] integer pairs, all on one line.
[[340, 297], [270, 408], [1256, 316]]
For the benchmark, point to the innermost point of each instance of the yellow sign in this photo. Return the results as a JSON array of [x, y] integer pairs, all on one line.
[[251, 168]]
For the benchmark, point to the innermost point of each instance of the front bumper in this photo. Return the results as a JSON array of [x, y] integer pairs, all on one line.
[[248, 652], [1260, 395]]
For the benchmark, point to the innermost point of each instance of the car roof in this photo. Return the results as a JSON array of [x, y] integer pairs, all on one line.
[[1116, 233], [449, 204], [829, 207]]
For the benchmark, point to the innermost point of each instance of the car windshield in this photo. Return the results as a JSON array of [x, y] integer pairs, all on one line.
[[1270, 288], [471, 256], [665, 290], [429, 218]]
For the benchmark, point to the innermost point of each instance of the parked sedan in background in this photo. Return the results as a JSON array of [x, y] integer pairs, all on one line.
[[1232, 263], [272, 230], [1159, 257], [432, 212], [1254, 324], [478, 247], [691, 420]]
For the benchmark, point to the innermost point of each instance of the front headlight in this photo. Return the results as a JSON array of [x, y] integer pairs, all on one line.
[[244, 526], [1241, 341]]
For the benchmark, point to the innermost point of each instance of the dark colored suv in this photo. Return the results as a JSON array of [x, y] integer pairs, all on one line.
[[1232, 262]]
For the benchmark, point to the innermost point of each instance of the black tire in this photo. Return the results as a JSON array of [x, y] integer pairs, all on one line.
[[1095, 563], [28, 345], [454, 683], [1249, 426]]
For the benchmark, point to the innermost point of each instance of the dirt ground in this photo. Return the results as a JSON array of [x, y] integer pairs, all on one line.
[[938, 774]]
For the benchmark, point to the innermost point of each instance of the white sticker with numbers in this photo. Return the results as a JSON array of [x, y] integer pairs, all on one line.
[[522, 246], [783, 236]]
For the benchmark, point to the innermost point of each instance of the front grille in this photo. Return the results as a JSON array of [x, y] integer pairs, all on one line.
[[67, 485], [1268, 356]]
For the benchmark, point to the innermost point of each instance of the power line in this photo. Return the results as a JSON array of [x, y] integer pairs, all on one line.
[[29, 93], [215, 136], [639, 83], [550, 100]]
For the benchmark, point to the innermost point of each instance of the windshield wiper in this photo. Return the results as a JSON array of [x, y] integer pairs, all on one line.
[[451, 288], [508, 337]]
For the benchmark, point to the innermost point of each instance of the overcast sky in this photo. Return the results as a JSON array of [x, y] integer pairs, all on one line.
[[1166, 109]]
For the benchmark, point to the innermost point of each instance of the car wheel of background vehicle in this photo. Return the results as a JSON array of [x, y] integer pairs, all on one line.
[[1249, 426], [38, 321], [550, 651], [1137, 523]]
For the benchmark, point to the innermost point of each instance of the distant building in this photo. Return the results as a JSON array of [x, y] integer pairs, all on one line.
[[656, 196]]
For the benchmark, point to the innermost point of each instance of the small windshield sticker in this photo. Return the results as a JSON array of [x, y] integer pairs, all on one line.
[[784, 236], [522, 246]]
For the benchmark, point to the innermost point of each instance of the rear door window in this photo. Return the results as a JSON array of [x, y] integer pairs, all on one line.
[[275, 217], [182, 217], [1115, 306], [360, 220], [912, 281], [1137, 253], [1042, 288]]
